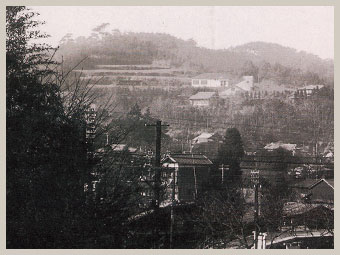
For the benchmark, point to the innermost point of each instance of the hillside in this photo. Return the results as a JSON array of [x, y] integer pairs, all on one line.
[[263, 60], [289, 57]]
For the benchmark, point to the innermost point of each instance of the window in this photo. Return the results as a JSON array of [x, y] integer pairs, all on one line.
[[204, 82], [195, 82]]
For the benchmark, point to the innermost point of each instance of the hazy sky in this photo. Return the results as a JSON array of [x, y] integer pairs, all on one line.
[[305, 28]]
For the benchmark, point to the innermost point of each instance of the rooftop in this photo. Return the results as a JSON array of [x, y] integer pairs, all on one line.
[[205, 135], [211, 76], [189, 159], [202, 95], [310, 183], [287, 146]]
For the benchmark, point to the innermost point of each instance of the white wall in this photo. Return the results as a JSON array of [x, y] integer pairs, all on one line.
[[200, 102], [212, 83]]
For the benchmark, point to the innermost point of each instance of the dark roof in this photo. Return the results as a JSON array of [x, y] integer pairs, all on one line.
[[211, 76], [305, 183], [202, 95], [308, 184], [329, 182], [189, 159]]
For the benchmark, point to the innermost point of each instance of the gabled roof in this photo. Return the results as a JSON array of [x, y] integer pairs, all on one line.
[[211, 76], [122, 147], [204, 137], [309, 184], [202, 95], [188, 159], [329, 182], [229, 90]]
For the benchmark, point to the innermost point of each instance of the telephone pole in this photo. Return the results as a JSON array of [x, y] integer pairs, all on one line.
[[255, 180], [157, 176], [172, 213]]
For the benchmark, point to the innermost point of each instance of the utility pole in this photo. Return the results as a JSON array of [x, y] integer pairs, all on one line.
[[255, 180], [223, 168], [157, 176], [172, 214]]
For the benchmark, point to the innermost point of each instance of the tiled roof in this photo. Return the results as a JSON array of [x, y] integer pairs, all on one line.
[[202, 95], [211, 76], [189, 159]]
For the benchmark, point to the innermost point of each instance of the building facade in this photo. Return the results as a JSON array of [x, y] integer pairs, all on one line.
[[185, 175], [210, 80], [203, 99]]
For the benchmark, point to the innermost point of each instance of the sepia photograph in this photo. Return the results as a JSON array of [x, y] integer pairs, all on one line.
[[169, 127]]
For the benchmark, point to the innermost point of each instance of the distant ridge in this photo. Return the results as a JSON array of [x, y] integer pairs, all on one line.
[[147, 48]]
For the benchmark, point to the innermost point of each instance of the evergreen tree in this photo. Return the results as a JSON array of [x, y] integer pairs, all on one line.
[[46, 150], [231, 153]]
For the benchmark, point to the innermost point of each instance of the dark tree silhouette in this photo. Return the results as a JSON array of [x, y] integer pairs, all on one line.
[[231, 153]]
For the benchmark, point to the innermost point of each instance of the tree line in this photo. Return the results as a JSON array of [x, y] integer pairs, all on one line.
[[59, 193]]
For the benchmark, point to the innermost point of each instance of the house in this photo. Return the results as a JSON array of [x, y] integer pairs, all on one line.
[[322, 191], [231, 91], [210, 80], [247, 84], [279, 144], [186, 174], [202, 138], [203, 99], [316, 191], [207, 144]]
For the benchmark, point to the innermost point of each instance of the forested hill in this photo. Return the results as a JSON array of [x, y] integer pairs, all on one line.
[[116, 48], [289, 57]]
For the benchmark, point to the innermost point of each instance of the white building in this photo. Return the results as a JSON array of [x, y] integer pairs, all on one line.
[[202, 138], [210, 80], [287, 146]]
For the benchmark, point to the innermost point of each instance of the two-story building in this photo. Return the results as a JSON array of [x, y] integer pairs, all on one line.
[[185, 175]]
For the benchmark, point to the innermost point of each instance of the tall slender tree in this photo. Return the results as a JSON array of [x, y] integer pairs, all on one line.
[[231, 153]]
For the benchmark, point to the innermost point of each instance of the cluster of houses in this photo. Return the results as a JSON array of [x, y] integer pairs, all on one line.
[[307, 219], [187, 173], [224, 89], [184, 176]]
